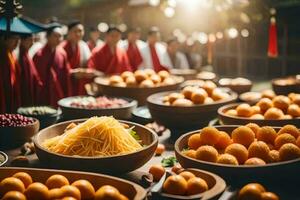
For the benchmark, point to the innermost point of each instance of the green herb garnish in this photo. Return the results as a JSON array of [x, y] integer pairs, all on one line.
[[169, 162], [134, 135]]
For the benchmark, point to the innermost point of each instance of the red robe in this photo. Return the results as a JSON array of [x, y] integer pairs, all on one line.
[[104, 60], [134, 56], [157, 66], [91, 44], [9, 82], [73, 56], [53, 68], [31, 83]]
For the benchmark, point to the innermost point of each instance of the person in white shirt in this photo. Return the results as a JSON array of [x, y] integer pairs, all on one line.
[[173, 58], [153, 51]]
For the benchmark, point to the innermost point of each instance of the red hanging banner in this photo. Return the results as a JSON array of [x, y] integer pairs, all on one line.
[[273, 44]]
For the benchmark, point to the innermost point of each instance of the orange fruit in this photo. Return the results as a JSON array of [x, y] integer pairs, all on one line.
[[194, 141], [224, 140], [244, 110], [255, 110], [207, 153], [196, 185], [281, 102], [251, 191], [188, 91], [243, 135], [266, 134], [56, 181], [187, 175], [290, 129], [55, 193], [254, 127], [198, 96], [174, 96], [209, 135], [259, 149], [182, 102], [37, 191], [289, 151], [294, 110], [238, 151], [190, 153], [24, 177], [70, 191], [175, 184], [298, 142], [255, 161], [231, 112], [160, 149], [283, 139], [273, 114], [14, 195], [157, 172], [264, 104], [257, 116], [11, 184], [227, 159], [274, 156], [107, 192], [269, 196], [86, 189], [209, 86]]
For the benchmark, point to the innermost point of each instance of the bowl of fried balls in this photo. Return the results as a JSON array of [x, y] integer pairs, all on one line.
[[250, 152], [276, 111], [138, 85], [191, 107]]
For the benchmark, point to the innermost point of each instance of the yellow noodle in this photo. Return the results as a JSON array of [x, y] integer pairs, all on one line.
[[98, 136]]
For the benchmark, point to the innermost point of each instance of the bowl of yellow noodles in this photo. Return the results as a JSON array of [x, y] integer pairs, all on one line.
[[99, 144]]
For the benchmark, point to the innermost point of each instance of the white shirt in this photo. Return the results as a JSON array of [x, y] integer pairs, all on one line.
[[180, 62], [85, 53], [146, 55]]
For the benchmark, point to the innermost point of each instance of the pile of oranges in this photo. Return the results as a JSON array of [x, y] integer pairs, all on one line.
[[273, 108], [142, 78], [247, 145], [256, 191], [184, 183], [193, 95], [20, 186]]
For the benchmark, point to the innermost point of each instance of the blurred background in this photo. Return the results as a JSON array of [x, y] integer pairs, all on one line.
[[233, 36]]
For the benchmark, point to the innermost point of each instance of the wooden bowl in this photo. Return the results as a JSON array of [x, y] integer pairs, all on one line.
[[129, 189], [137, 93], [281, 89], [4, 158], [215, 184], [187, 74], [184, 118], [241, 173], [113, 164], [70, 112], [12, 137], [231, 120]]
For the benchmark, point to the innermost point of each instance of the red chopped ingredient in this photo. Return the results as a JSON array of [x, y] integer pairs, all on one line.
[[14, 120]]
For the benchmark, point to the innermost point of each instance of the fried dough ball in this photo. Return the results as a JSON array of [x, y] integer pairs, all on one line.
[[209, 135], [126, 74], [231, 112], [227, 159], [188, 91], [264, 104], [224, 140], [194, 141], [281, 102], [294, 110], [244, 110], [283, 139], [274, 156], [238, 151], [266, 134], [140, 75], [182, 102], [259, 149], [255, 161], [190, 153], [198, 96], [273, 114], [209, 86], [289, 151], [254, 127], [290, 129], [243, 135], [174, 96], [147, 84]]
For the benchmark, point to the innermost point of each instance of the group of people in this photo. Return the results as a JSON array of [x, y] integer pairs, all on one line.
[[42, 73]]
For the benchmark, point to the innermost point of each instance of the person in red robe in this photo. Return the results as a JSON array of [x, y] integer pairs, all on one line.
[[31, 83], [9, 75], [54, 70], [110, 59], [153, 51], [78, 54], [94, 39], [133, 46]]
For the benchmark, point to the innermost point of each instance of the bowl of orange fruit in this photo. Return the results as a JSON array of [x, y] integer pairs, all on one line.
[[43, 184], [191, 107], [286, 85], [249, 152], [138, 85], [254, 191], [278, 111]]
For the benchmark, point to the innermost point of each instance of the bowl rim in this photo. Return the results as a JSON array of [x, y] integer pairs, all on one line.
[[139, 189], [151, 100], [135, 112], [34, 123], [57, 113], [100, 81], [39, 146], [178, 151], [130, 103], [232, 105], [5, 158], [273, 81]]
